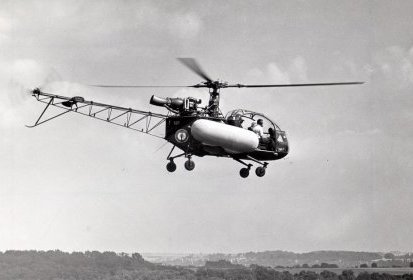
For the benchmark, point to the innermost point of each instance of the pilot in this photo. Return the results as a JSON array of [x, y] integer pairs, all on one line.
[[251, 127], [271, 139], [231, 120], [239, 123], [258, 129], [235, 121]]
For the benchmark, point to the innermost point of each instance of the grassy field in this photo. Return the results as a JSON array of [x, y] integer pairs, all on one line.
[[389, 270]]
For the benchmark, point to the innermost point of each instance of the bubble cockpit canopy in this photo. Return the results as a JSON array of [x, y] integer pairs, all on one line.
[[244, 118]]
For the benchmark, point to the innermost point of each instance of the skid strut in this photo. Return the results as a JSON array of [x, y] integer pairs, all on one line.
[[245, 171], [249, 165], [171, 166], [174, 157], [264, 164]]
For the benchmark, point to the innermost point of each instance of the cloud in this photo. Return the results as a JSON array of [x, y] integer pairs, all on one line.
[[27, 72], [5, 27], [276, 74], [290, 71], [338, 227], [393, 67], [350, 132], [18, 77], [294, 70], [147, 14], [5, 24], [298, 69], [186, 26], [182, 25]]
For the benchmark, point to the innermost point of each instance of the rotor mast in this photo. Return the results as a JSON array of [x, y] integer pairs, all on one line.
[[214, 91], [213, 86], [213, 104]]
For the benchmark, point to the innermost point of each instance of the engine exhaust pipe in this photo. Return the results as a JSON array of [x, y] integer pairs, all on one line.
[[158, 101], [175, 103]]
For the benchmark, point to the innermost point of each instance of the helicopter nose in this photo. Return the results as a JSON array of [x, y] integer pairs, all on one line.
[[282, 144]]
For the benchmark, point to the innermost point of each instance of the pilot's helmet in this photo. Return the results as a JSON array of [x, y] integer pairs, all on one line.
[[260, 122]]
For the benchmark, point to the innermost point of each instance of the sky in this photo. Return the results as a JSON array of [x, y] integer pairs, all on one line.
[[76, 184]]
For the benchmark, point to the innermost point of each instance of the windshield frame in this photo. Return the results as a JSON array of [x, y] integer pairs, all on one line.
[[251, 115]]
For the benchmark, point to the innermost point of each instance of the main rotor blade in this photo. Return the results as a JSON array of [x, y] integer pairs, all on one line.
[[135, 86], [194, 66], [294, 85]]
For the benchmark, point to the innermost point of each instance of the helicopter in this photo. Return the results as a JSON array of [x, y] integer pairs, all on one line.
[[242, 135]]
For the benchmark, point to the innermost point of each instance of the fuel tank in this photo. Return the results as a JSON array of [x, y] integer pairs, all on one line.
[[231, 138]]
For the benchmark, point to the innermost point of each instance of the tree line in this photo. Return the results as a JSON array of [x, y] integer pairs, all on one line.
[[91, 265]]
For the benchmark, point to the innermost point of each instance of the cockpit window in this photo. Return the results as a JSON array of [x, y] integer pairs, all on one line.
[[271, 137], [245, 119]]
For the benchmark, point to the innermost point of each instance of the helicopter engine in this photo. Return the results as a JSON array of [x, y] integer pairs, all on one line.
[[176, 104]]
